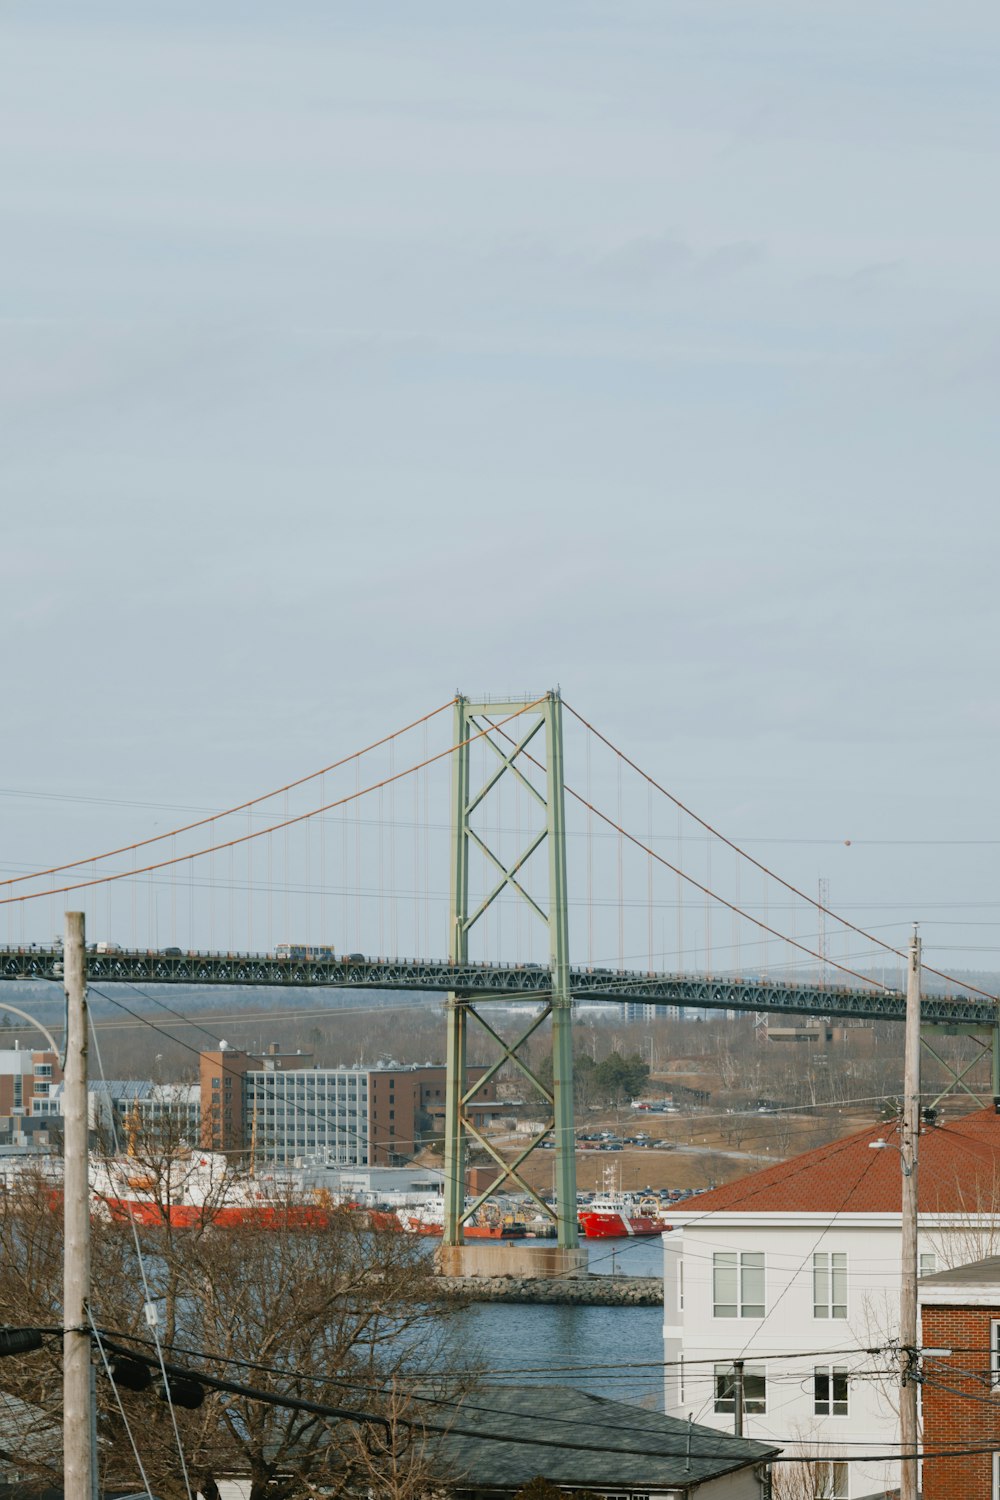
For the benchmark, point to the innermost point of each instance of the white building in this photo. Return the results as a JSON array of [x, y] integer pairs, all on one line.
[[795, 1271], [169, 1110]]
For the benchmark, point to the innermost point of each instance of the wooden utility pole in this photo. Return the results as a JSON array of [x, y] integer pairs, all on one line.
[[737, 1398], [909, 1132], [78, 1445]]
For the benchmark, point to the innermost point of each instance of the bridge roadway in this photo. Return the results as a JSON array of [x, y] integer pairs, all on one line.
[[483, 981]]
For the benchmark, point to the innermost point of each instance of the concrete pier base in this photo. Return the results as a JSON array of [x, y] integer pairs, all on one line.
[[511, 1258]]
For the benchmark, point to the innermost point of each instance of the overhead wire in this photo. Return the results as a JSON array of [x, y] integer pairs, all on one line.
[[216, 817], [118, 1400], [766, 870], [519, 1438], [230, 844], [151, 1320]]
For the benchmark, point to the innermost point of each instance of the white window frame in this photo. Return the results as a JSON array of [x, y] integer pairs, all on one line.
[[740, 1263], [995, 1354], [995, 1491], [928, 1262], [727, 1403], [829, 1265], [831, 1372]]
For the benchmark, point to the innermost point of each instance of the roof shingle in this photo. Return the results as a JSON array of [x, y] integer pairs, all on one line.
[[958, 1172]]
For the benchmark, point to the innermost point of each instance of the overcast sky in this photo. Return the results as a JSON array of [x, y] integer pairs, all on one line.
[[355, 353]]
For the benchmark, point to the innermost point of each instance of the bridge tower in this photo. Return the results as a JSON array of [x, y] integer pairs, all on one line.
[[538, 724]]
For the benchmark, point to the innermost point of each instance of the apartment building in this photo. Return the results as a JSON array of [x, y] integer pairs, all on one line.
[[26, 1081], [285, 1111]]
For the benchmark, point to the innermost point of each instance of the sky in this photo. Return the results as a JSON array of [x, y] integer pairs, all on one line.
[[356, 354]]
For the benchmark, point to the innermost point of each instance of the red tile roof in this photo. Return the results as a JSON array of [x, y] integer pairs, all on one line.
[[958, 1172]]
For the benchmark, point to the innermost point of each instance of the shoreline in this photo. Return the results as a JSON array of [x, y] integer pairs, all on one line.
[[583, 1291]]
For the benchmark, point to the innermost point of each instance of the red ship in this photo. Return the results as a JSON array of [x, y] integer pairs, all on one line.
[[193, 1190], [616, 1215]]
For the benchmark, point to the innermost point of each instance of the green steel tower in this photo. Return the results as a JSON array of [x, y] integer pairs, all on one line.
[[524, 722]]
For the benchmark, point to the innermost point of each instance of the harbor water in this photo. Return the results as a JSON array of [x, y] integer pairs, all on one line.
[[610, 1351]]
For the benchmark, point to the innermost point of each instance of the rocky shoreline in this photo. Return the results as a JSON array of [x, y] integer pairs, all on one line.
[[584, 1291]]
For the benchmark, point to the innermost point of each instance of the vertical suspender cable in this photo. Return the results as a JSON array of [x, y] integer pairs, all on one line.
[[415, 931], [325, 931], [767, 935], [381, 875], [649, 876], [736, 925], [680, 901], [427, 848], [621, 876], [357, 851], [250, 853], [344, 882], [393, 914], [288, 931], [708, 904], [590, 862]]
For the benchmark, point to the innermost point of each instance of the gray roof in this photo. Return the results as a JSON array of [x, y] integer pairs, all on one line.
[[27, 1433], [579, 1440], [975, 1273]]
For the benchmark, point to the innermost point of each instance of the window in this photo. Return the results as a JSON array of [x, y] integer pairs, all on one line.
[[830, 1391], [995, 1354], [754, 1388], [738, 1283], [680, 1283], [928, 1262], [830, 1481], [995, 1492], [830, 1284], [43, 1070]]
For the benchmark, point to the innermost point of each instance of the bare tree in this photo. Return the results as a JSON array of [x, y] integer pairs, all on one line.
[[332, 1313]]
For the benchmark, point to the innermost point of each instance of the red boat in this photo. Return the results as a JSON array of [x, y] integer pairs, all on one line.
[[616, 1215]]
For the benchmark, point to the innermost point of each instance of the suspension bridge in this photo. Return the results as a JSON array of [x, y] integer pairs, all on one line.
[[667, 910]]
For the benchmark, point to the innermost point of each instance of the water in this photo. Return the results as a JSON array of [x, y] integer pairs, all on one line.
[[609, 1351]]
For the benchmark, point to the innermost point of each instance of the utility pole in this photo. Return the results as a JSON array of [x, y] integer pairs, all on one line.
[[909, 1131], [78, 1444], [737, 1398]]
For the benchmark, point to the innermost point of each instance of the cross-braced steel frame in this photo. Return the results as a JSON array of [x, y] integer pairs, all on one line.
[[471, 719]]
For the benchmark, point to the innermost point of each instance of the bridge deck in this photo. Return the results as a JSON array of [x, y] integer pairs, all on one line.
[[492, 982]]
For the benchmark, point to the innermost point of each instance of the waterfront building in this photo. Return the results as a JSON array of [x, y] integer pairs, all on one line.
[[287, 1113], [795, 1270]]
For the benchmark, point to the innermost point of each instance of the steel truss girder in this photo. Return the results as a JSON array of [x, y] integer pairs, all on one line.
[[484, 982]]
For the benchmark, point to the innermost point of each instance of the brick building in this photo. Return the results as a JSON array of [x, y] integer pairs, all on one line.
[[26, 1081], [960, 1313], [285, 1111]]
